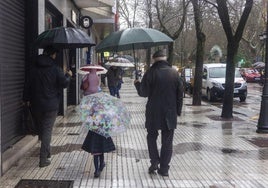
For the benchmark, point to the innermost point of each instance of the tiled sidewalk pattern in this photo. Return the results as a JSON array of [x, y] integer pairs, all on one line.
[[207, 152]]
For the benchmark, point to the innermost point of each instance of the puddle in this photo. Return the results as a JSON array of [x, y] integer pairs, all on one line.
[[259, 141], [73, 134], [202, 111], [60, 149], [199, 125], [229, 150], [219, 118], [69, 124]]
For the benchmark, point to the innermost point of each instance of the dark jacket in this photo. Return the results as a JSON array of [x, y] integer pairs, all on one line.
[[113, 77], [44, 84], [164, 89]]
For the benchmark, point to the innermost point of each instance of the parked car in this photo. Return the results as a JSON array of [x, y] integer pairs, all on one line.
[[187, 75], [213, 82], [251, 75]]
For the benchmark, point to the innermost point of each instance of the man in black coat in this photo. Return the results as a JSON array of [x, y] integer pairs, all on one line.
[[42, 92], [164, 89]]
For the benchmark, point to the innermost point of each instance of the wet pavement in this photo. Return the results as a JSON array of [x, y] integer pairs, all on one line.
[[208, 152]]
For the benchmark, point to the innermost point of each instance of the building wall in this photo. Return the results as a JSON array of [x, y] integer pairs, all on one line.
[[12, 65], [66, 7]]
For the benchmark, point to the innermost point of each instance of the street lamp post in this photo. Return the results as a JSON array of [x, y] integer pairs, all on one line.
[[262, 126]]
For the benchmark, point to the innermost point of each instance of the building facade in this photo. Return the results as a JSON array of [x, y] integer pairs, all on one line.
[[21, 22]]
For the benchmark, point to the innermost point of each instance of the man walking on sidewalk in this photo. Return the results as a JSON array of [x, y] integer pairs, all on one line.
[[164, 89], [42, 91]]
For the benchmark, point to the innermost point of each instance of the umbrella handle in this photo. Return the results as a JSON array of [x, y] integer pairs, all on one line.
[[66, 66], [135, 62]]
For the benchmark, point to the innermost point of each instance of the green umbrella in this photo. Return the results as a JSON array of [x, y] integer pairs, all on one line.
[[133, 38]]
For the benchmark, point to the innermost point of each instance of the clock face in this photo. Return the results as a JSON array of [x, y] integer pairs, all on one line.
[[86, 22]]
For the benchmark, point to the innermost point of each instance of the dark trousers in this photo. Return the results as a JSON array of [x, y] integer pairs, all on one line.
[[164, 157], [45, 122], [113, 90]]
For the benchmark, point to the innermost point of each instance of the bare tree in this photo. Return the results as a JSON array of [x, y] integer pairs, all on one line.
[[128, 11], [251, 47], [171, 17], [149, 12], [233, 37]]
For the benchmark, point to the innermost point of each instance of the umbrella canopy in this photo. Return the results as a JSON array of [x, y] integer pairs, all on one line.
[[120, 62], [133, 38], [89, 67], [85, 69], [104, 114], [129, 57], [64, 37], [258, 65]]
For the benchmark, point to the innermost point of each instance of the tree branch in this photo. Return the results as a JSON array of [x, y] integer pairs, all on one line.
[[243, 20], [213, 4]]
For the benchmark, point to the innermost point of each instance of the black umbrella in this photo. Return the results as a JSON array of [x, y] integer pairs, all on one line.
[[64, 37]]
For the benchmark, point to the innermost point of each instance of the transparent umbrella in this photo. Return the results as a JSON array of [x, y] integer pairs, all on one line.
[[104, 114], [120, 62], [258, 65]]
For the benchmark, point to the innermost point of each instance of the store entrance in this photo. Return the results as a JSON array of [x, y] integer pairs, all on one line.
[[71, 91]]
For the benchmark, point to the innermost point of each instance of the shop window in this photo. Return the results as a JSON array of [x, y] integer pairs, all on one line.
[[48, 21]]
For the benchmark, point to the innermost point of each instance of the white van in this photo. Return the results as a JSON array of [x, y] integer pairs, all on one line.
[[213, 82]]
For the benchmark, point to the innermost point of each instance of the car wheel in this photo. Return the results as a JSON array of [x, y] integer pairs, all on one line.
[[210, 95], [242, 99]]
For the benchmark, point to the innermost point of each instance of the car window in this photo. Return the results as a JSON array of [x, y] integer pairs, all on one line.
[[205, 73], [217, 72], [237, 73]]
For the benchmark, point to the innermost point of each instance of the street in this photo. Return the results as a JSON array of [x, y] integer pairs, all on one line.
[[251, 107], [208, 151]]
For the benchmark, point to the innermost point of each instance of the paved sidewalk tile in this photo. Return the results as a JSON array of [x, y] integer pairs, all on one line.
[[207, 152]]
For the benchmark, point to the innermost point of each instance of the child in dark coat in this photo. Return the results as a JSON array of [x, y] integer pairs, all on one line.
[[94, 143], [97, 145]]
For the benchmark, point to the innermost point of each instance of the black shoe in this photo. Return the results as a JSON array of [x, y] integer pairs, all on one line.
[[102, 166], [97, 173], [162, 173], [44, 163], [152, 169]]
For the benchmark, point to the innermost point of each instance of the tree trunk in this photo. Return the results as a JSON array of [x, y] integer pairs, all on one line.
[[232, 48], [150, 25], [227, 108], [197, 92], [148, 59], [201, 39], [170, 53]]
